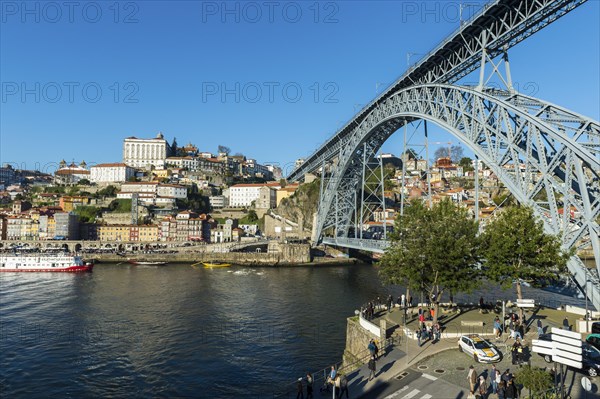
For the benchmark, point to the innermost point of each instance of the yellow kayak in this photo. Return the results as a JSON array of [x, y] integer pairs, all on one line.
[[216, 264]]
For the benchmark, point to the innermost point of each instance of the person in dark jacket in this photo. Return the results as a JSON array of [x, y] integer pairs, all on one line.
[[309, 386], [343, 386], [373, 367], [501, 391], [511, 390], [300, 393]]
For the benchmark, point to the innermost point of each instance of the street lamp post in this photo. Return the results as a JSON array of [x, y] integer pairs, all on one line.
[[586, 299]]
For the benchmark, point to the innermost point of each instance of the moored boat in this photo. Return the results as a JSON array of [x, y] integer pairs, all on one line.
[[44, 263], [145, 263], [216, 264]]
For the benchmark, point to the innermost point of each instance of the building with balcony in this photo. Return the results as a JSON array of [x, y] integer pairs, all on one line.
[[111, 173]]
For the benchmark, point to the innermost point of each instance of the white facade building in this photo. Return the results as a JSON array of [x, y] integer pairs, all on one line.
[[190, 163], [218, 201], [161, 190], [142, 153], [242, 195], [153, 193], [171, 190], [111, 173]]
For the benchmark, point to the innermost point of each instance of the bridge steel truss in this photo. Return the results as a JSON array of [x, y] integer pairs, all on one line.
[[498, 26], [548, 157]]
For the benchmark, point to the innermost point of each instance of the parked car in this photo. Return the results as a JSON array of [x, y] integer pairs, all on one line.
[[594, 340], [481, 350], [590, 359]]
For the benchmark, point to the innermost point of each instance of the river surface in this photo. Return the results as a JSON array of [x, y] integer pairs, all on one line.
[[177, 331]]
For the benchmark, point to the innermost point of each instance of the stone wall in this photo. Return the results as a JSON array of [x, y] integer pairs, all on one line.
[[357, 340], [289, 254]]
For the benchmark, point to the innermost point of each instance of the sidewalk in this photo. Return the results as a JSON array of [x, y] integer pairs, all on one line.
[[400, 357]]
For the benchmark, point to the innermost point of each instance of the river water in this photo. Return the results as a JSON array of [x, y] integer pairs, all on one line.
[[178, 331]]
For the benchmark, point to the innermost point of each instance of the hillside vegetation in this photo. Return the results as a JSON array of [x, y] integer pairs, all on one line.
[[303, 202]]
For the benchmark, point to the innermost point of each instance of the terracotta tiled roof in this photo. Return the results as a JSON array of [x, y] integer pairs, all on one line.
[[64, 172], [110, 165]]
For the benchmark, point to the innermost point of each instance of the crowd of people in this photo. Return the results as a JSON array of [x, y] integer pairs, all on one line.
[[501, 384]]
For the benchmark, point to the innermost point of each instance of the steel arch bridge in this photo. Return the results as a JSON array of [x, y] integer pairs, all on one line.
[[547, 156]]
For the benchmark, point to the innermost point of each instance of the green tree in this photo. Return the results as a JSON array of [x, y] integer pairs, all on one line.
[[87, 214], [120, 205], [252, 216], [515, 247], [108, 191], [373, 180], [466, 164], [411, 153], [84, 182], [535, 379], [433, 250]]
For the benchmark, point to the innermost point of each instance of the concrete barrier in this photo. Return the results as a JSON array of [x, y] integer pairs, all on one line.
[[370, 327], [468, 323]]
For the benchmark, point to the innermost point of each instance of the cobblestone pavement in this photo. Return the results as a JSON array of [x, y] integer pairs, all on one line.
[[453, 366]]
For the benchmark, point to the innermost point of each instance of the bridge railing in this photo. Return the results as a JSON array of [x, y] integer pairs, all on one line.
[[320, 376], [358, 243]]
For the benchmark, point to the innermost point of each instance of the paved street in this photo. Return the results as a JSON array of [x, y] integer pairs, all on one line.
[[411, 384]]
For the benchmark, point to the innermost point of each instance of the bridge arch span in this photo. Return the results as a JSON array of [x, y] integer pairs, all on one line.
[[548, 157]]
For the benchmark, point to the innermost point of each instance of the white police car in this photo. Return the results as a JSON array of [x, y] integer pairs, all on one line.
[[481, 350]]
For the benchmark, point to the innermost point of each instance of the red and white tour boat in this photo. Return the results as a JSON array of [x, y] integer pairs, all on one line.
[[43, 263]]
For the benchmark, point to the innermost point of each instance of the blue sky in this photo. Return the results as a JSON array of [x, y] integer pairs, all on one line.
[[271, 80]]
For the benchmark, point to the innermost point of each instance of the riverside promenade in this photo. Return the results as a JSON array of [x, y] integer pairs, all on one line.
[[439, 370]]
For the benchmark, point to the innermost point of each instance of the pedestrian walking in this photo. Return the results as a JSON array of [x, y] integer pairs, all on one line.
[[372, 367], [511, 390], [343, 386], [390, 303], [410, 301], [517, 352], [371, 347], [519, 331], [540, 328], [497, 327], [309, 386], [566, 325], [501, 390], [482, 387], [300, 388], [506, 376], [376, 350], [403, 300], [472, 378], [436, 332], [494, 378], [419, 337], [332, 374]]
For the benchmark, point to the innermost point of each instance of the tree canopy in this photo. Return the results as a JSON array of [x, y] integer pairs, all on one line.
[[466, 164], [108, 191], [433, 250], [515, 247], [224, 149]]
